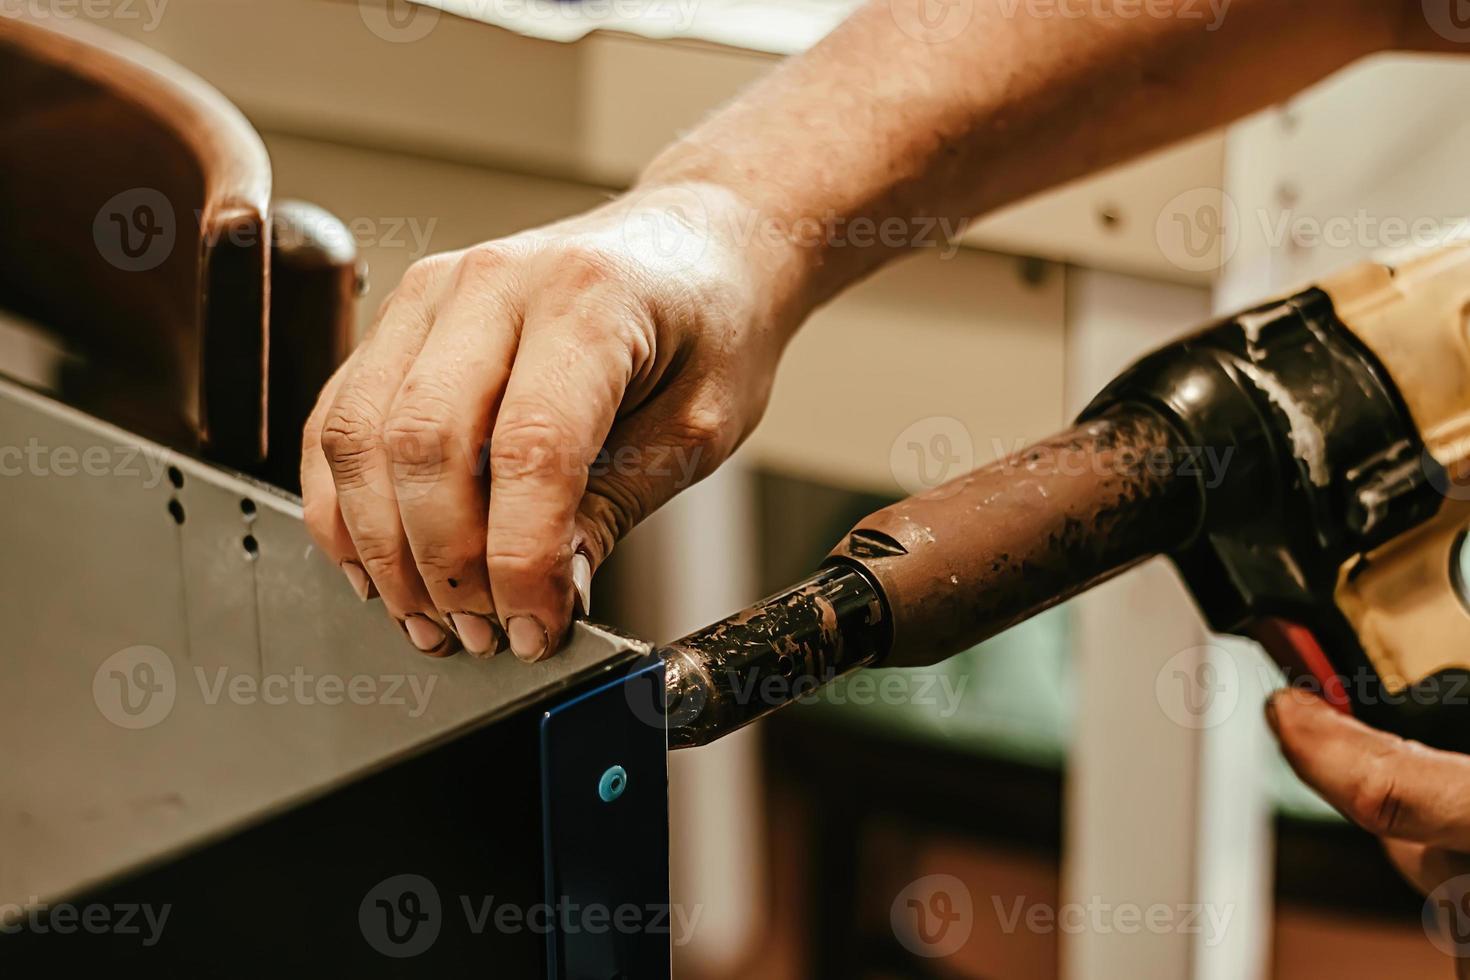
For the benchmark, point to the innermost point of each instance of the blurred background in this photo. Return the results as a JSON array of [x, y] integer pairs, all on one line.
[[1092, 795]]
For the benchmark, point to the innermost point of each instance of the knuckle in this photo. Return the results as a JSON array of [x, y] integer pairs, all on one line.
[[379, 558], [614, 507], [483, 261], [530, 444], [420, 429], [420, 277], [442, 559], [579, 267], [1376, 803], [519, 557], [700, 425], [350, 435]]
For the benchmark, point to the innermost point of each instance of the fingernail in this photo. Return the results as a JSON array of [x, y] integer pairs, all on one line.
[[582, 581], [358, 579], [426, 635], [479, 634], [1271, 718], [528, 637]]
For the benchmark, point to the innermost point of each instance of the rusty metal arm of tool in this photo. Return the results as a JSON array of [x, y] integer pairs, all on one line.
[[933, 575]]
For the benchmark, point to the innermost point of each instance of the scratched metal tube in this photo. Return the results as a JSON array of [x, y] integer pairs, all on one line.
[[781, 649], [933, 575]]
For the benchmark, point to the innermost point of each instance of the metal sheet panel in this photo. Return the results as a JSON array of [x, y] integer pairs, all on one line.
[[178, 661]]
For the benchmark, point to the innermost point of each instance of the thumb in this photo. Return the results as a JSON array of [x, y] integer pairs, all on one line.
[[650, 457], [1387, 785]]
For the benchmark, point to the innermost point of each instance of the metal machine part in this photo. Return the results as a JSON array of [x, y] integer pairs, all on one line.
[[935, 574], [605, 829], [180, 663], [490, 851], [742, 668], [1304, 464]]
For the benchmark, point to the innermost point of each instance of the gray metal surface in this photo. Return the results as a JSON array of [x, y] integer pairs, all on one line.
[[164, 682]]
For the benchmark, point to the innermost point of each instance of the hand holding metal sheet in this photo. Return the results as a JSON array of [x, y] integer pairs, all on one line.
[[519, 405]]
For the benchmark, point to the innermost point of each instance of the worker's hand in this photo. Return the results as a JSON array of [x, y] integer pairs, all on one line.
[[1416, 799], [519, 405]]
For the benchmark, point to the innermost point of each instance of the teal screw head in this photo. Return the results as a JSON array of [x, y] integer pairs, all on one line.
[[612, 784]]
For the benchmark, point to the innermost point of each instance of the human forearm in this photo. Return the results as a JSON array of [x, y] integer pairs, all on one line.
[[877, 124]]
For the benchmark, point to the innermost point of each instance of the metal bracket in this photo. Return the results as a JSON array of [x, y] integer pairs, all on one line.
[[604, 769]]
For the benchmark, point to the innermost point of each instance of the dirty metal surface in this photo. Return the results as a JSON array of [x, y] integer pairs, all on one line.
[[178, 661]]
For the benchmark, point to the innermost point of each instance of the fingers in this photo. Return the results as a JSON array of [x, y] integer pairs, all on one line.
[[667, 446], [1389, 786], [319, 496], [1426, 867], [573, 365], [438, 436], [352, 441]]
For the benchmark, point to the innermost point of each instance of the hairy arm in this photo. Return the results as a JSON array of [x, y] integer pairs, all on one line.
[[951, 108]]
